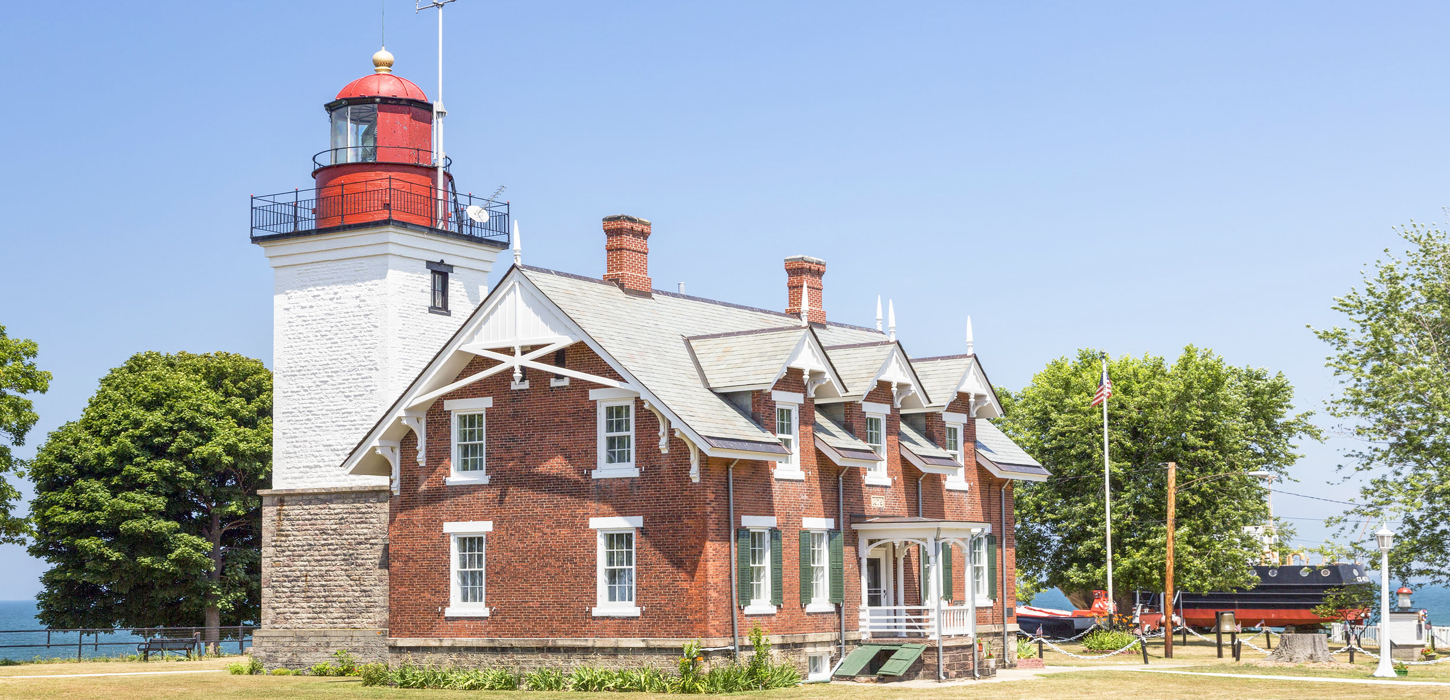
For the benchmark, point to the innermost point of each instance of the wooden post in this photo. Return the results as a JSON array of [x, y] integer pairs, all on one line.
[[1168, 574]]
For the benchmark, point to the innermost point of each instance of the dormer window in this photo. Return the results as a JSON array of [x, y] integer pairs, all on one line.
[[876, 433], [787, 430], [438, 291]]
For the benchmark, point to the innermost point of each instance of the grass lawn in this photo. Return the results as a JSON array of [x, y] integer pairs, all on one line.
[[1086, 685]]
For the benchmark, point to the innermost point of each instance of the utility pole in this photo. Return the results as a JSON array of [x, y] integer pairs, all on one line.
[[1168, 574]]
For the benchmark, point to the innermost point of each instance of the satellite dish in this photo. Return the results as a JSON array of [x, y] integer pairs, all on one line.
[[478, 213]]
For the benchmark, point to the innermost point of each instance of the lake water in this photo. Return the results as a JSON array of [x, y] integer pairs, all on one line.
[[1435, 599], [18, 626]]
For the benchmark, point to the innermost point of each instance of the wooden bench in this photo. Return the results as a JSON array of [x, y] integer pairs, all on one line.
[[165, 644]]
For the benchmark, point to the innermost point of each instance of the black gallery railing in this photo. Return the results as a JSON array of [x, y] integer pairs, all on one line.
[[92, 639], [379, 199]]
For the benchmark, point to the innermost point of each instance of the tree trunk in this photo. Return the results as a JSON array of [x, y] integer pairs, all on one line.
[[1302, 648], [212, 636]]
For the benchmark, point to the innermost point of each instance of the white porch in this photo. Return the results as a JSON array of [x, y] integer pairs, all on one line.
[[883, 547]]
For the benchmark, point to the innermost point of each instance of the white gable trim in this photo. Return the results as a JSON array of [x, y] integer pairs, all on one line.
[[974, 381], [453, 357]]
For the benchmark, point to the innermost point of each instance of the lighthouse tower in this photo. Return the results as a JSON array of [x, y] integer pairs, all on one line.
[[375, 268]]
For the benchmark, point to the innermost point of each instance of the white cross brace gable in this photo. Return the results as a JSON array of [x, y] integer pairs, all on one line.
[[515, 315]]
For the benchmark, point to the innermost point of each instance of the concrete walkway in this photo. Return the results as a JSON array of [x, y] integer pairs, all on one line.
[[126, 673], [1310, 679]]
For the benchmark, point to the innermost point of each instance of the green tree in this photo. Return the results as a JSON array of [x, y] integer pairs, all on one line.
[[1355, 605], [18, 376], [147, 507], [1393, 363], [1213, 419]]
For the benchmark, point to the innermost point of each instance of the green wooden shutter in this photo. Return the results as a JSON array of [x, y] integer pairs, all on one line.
[[992, 567], [777, 596], [946, 571], [742, 568], [807, 590], [838, 568]]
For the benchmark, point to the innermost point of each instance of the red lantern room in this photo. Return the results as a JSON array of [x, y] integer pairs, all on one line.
[[380, 162], [380, 169]]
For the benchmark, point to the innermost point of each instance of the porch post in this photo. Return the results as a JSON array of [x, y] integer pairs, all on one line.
[[899, 549], [936, 589], [865, 611]]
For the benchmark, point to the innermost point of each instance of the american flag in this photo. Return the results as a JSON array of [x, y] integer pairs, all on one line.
[[1105, 389]]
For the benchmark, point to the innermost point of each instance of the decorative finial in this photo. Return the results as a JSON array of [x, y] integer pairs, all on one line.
[[969, 336], [878, 312], [891, 318], [383, 61], [518, 248]]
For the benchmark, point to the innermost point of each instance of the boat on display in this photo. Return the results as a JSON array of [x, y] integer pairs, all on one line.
[[1061, 624], [1285, 595]]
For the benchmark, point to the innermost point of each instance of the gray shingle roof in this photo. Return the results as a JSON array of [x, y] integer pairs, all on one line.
[[912, 440], [833, 434], [858, 364], [993, 444], [941, 377], [648, 336], [749, 358]]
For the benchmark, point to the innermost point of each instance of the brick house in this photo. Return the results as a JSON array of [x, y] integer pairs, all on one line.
[[590, 470]]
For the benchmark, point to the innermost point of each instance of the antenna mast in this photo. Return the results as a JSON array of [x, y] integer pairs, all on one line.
[[438, 112]]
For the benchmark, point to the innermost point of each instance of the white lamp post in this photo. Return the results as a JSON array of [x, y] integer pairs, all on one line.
[[1386, 668]]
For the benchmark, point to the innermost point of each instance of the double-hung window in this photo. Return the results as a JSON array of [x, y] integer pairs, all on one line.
[[438, 273], [787, 431], [953, 442], [615, 428], [876, 437], [470, 440], [981, 584], [617, 566], [759, 545], [467, 542], [820, 570]]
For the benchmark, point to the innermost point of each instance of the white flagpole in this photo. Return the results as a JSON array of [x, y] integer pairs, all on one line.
[[1108, 493]]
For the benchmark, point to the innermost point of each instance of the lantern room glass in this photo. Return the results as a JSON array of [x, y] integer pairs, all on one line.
[[355, 134]]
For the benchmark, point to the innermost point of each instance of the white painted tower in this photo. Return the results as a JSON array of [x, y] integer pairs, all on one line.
[[374, 271]]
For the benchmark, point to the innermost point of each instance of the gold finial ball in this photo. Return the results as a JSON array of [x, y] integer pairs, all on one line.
[[383, 61]]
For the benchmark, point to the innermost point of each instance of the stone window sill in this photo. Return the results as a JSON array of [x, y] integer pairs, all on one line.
[[453, 611], [790, 474], [466, 480], [616, 611], [872, 480], [760, 609], [957, 485], [615, 473], [821, 607]]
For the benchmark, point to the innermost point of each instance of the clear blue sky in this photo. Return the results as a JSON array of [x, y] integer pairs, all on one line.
[[1134, 177]]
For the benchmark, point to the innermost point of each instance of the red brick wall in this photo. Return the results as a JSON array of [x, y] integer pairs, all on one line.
[[541, 554]]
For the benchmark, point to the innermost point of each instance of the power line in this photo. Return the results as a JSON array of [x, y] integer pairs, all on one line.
[[1327, 500]]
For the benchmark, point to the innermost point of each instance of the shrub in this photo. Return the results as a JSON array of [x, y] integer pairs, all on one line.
[[285, 672], [1108, 640], [345, 664], [545, 679], [373, 674], [249, 666], [591, 680], [689, 680], [1025, 648]]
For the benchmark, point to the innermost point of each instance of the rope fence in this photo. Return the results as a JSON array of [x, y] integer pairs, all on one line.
[[1243, 639]]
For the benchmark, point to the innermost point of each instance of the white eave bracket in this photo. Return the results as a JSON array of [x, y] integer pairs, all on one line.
[[417, 421], [390, 449], [694, 455]]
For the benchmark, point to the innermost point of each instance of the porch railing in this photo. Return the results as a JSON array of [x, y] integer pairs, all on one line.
[[915, 620]]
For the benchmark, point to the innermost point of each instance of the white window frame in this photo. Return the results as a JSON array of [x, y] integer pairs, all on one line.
[[760, 605], [603, 607], [979, 581], [957, 481], [456, 408], [606, 398], [823, 673], [454, 531], [876, 475], [789, 401], [820, 592]]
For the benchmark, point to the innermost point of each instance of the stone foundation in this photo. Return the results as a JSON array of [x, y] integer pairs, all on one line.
[[567, 654], [324, 575]]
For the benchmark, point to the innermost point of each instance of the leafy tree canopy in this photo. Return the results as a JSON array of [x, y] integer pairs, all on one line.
[[1213, 419], [146, 507], [18, 376], [1393, 363]]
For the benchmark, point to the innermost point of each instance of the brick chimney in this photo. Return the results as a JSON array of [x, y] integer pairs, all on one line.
[[805, 272], [626, 246]]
